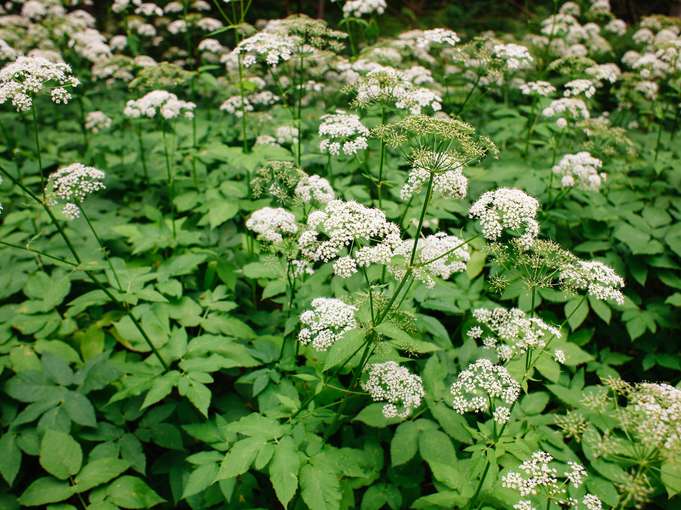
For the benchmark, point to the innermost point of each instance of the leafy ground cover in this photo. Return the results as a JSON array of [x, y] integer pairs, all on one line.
[[297, 264]]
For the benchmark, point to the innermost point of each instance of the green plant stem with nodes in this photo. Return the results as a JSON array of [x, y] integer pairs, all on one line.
[[429, 192], [39, 253], [169, 177], [556, 144], [38, 151], [469, 95], [88, 273], [143, 156], [299, 108], [529, 367], [379, 185], [81, 111], [101, 247]]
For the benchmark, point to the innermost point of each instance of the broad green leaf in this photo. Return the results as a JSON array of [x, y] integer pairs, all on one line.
[[435, 446], [548, 367], [404, 444], [577, 310], [99, 471], [319, 487], [451, 422], [199, 395], [200, 479], [349, 346], [161, 388], [79, 409], [10, 458], [132, 492], [671, 477], [240, 457], [60, 454], [284, 470], [372, 415], [46, 490]]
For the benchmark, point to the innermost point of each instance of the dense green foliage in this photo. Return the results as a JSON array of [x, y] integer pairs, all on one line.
[[157, 324]]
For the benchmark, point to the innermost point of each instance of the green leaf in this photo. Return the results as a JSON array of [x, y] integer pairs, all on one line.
[[372, 415], [404, 444], [577, 310], [132, 492], [436, 447], [284, 470], [200, 479], [79, 409], [199, 395], [161, 388], [548, 367], [671, 477], [404, 341], [46, 490], [219, 211], [99, 471], [343, 349], [240, 457], [451, 422], [319, 487], [10, 458], [60, 454]]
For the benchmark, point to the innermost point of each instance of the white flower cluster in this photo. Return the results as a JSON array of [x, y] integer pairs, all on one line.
[[159, 102], [478, 387], [97, 121], [616, 26], [90, 44], [326, 323], [438, 255], [536, 474], [72, 184], [391, 383], [654, 410], [342, 132], [597, 279], [649, 89], [604, 72], [511, 332], [272, 224], [572, 108], [537, 88], [286, 134], [6, 51], [366, 232], [437, 36], [579, 87], [268, 47], [580, 169], [448, 179], [27, 76], [359, 8], [313, 188], [504, 210], [232, 105], [515, 56], [390, 86]]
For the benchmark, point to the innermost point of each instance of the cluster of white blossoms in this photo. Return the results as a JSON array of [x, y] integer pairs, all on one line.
[[391, 87], [90, 44], [326, 323], [616, 26], [365, 232], [272, 224], [597, 279], [73, 184], [159, 102], [566, 108], [342, 133], [507, 211], [580, 87], [478, 387], [286, 134], [6, 51], [359, 8], [233, 105], [604, 72], [649, 89], [397, 386], [515, 56], [448, 178], [268, 47], [581, 170], [536, 475], [27, 76], [511, 332], [313, 188], [653, 411], [97, 121], [537, 88], [438, 255], [437, 37]]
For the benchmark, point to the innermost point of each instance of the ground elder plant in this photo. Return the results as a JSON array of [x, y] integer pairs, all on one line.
[[339, 259]]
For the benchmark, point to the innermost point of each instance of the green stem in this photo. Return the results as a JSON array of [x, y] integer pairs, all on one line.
[[429, 191], [81, 109], [39, 253], [101, 247], [299, 109], [169, 177], [470, 94], [143, 155], [38, 152], [379, 185]]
